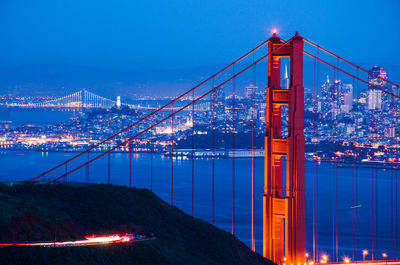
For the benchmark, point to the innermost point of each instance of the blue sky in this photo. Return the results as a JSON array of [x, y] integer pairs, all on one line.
[[178, 34]]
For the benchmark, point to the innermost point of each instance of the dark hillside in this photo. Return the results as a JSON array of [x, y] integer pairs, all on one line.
[[44, 211]]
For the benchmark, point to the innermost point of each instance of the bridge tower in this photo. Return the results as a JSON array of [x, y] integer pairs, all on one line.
[[284, 206], [83, 99]]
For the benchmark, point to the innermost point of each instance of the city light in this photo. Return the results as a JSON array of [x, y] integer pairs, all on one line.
[[346, 260], [324, 259], [364, 253], [385, 256]]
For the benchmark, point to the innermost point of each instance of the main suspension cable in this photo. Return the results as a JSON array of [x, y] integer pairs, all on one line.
[[351, 75], [154, 112], [350, 63], [177, 111]]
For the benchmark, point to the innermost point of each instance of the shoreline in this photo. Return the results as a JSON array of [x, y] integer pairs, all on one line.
[[226, 154]]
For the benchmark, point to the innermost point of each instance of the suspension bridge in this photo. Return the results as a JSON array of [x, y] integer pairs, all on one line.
[[84, 99], [78, 100], [284, 202]]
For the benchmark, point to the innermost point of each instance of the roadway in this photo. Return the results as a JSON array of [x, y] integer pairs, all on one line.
[[366, 262], [88, 241]]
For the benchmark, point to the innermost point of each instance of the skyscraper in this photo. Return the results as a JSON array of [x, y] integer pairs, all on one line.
[[378, 71], [286, 79], [375, 97], [332, 96], [118, 102], [219, 101], [347, 94], [249, 92], [326, 97]]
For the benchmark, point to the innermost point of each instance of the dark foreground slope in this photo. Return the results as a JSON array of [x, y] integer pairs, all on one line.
[[39, 212]]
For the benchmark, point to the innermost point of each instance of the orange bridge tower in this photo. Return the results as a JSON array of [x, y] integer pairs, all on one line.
[[284, 206]]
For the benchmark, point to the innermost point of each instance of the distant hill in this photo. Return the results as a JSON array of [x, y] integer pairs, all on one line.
[[44, 211], [64, 79]]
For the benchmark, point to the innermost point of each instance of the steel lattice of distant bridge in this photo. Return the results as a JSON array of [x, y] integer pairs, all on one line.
[[84, 99], [284, 206], [78, 100]]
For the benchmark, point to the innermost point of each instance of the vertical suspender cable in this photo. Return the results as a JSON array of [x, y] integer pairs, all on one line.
[[333, 161], [213, 157], [336, 177], [375, 239], [314, 164], [233, 147], [87, 168], [172, 156], [353, 188], [130, 160], [109, 168], [193, 154], [315, 102], [372, 209], [151, 155], [397, 169], [316, 168], [253, 118], [376, 206], [356, 181], [391, 187]]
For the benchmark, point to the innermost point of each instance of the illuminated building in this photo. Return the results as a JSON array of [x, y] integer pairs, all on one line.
[[249, 92], [333, 96], [375, 97], [219, 101], [346, 98], [286, 79], [118, 104], [378, 71]]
